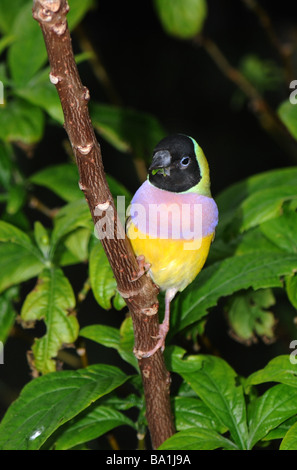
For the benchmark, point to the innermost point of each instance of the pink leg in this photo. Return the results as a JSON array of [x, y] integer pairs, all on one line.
[[164, 327]]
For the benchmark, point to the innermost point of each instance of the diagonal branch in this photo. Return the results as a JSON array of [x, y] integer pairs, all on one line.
[[140, 295]]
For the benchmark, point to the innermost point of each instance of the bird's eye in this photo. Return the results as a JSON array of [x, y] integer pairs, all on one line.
[[185, 162]]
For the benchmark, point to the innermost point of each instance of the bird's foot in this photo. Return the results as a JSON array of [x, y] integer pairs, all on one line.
[[143, 268], [163, 330]]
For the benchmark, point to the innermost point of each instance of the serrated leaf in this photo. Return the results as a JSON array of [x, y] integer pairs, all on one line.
[[49, 401], [182, 18], [231, 199], [89, 425], [19, 258], [264, 205], [197, 439], [271, 409], [214, 381], [52, 300], [21, 121], [279, 369], [226, 277]]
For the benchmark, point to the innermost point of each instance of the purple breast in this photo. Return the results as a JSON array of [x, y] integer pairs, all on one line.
[[163, 214]]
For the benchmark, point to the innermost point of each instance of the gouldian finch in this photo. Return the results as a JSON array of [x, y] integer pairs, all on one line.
[[172, 219]]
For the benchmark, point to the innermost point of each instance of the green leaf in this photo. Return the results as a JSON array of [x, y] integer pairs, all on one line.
[[90, 424], [230, 201], [77, 11], [20, 260], [264, 205], [16, 198], [28, 53], [282, 231], [42, 239], [52, 300], [49, 401], [110, 337], [291, 289], [102, 279], [6, 165], [228, 276], [197, 439], [61, 179], [182, 18], [247, 315], [126, 129], [77, 243], [271, 409], [5, 42], [287, 113], [264, 74], [72, 216], [39, 91], [7, 312], [280, 369], [289, 442], [214, 381], [8, 13], [280, 431], [193, 413], [21, 121]]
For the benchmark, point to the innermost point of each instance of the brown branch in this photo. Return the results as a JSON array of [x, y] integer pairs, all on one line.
[[284, 51], [141, 295], [268, 119]]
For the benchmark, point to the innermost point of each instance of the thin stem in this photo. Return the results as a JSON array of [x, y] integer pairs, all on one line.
[[284, 51], [265, 114]]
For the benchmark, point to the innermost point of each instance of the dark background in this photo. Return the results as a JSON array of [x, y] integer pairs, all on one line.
[[183, 88]]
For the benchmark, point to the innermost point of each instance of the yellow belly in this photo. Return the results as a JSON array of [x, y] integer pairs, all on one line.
[[174, 263]]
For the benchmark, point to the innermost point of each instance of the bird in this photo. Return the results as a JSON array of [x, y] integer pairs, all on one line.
[[172, 220]]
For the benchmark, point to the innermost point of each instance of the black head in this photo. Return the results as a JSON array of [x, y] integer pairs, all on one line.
[[175, 167]]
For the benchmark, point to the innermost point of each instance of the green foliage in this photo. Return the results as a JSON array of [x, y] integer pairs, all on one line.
[[288, 114], [222, 394], [52, 400], [250, 274], [182, 18]]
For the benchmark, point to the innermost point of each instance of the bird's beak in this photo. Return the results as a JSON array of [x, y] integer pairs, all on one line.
[[161, 163]]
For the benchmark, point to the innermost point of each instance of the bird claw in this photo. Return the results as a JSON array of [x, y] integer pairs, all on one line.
[[143, 268], [163, 330]]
